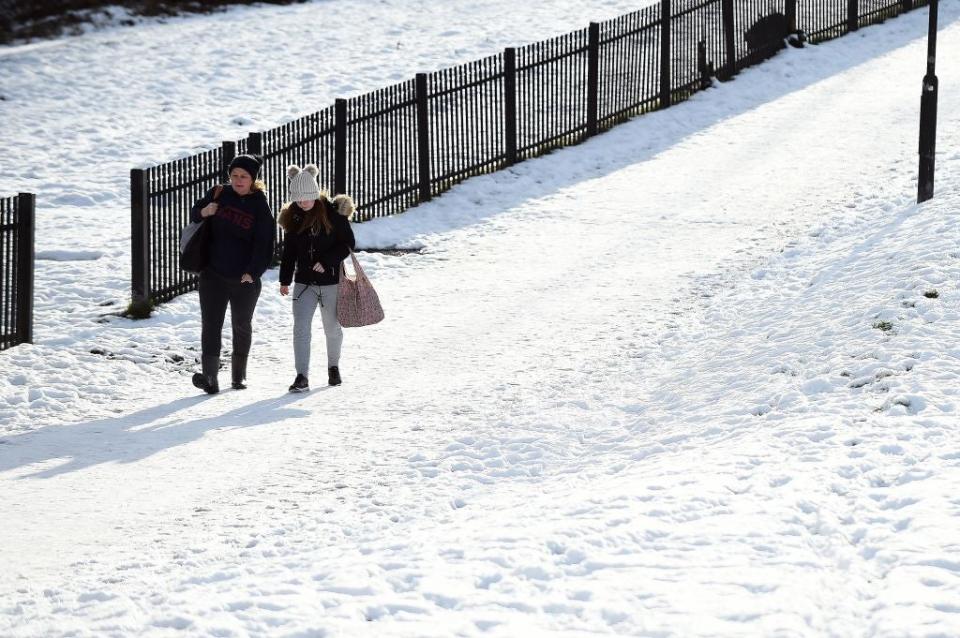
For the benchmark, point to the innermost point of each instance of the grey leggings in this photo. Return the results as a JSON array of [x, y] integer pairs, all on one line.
[[305, 301]]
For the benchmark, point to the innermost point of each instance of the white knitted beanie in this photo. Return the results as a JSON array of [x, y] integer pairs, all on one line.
[[303, 183]]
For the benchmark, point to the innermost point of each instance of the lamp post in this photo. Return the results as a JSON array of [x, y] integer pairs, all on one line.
[[928, 113]]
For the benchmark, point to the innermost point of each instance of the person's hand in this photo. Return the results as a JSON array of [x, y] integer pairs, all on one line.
[[208, 210], [284, 290], [246, 279], [318, 267]]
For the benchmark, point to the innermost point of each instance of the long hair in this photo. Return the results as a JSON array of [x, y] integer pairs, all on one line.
[[317, 217]]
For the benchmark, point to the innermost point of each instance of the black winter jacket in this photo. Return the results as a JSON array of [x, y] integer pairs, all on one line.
[[242, 237], [304, 248]]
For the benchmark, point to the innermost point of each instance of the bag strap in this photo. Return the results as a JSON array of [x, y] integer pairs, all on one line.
[[357, 270], [216, 191]]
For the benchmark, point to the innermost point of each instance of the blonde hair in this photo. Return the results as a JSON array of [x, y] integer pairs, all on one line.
[[258, 186]]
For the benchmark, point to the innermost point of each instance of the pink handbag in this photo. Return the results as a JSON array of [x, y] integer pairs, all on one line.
[[357, 301]]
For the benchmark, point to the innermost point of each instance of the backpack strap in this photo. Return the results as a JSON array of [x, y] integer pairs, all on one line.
[[216, 191]]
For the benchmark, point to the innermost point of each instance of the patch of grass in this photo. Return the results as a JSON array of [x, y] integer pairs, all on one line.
[[931, 294], [885, 326], [394, 252], [139, 309], [41, 19]]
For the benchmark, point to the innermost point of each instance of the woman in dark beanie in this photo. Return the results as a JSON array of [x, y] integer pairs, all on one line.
[[240, 251], [318, 238]]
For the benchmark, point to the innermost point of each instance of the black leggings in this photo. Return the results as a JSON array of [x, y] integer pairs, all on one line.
[[215, 293]]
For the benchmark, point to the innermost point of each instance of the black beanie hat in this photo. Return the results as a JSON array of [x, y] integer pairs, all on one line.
[[249, 163]]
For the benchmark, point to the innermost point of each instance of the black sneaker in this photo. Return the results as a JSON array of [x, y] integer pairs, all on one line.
[[205, 383], [333, 375], [300, 384]]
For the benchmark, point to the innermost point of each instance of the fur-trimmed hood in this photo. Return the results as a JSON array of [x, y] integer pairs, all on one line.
[[343, 204]]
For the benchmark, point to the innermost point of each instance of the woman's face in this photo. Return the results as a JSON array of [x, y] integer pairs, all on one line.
[[241, 181], [306, 204]]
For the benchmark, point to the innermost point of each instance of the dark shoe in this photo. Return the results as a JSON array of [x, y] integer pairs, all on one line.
[[205, 383], [333, 375], [238, 369], [207, 380], [300, 384]]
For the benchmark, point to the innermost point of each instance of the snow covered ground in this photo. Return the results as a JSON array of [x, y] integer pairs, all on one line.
[[695, 377], [78, 113]]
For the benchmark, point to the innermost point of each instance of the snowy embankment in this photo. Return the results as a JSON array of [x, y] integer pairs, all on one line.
[[695, 377]]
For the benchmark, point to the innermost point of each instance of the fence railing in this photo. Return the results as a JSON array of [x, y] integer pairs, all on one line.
[[160, 201], [402, 145], [17, 223], [825, 19]]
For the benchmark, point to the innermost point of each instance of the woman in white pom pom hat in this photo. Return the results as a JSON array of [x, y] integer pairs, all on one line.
[[318, 238]]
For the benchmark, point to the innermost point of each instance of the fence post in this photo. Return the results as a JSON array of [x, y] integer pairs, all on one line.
[[140, 234], [423, 137], [26, 224], [665, 79], [791, 7], [593, 79], [702, 66], [510, 104], [340, 147], [255, 144], [907, 5], [229, 152], [853, 15], [729, 43]]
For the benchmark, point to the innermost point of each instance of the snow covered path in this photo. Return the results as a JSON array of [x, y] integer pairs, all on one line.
[[632, 388]]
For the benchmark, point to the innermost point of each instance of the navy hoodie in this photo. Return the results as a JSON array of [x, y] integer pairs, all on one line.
[[242, 233]]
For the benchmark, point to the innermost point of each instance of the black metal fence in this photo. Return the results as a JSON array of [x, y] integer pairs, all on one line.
[[17, 223], [402, 145], [470, 123], [825, 19], [160, 200]]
